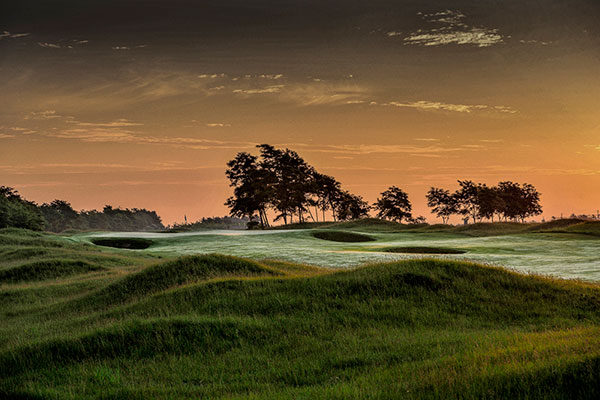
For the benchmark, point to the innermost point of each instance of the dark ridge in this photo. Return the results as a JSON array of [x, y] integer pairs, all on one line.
[[135, 340], [123, 243], [339, 236], [22, 253], [423, 250], [177, 272], [48, 269]]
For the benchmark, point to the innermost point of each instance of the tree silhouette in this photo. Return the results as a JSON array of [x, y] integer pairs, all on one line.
[[442, 203], [393, 205]]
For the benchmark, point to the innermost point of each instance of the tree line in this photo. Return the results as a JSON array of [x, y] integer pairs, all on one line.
[[507, 201], [59, 215], [279, 180]]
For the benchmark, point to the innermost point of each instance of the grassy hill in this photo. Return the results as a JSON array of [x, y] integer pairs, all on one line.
[[375, 225], [224, 327]]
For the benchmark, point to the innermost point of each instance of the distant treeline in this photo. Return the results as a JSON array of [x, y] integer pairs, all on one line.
[[211, 223], [506, 201], [280, 180], [58, 216]]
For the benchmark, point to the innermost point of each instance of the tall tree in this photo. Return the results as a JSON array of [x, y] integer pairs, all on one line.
[[442, 203], [466, 199], [252, 188], [393, 205], [349, 206]]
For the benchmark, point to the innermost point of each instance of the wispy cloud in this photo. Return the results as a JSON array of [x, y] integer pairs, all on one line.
[[268, 89], [6, 136], [8, 35], [119, 123], [139, 46], [439, 106], [46, 114], [451, 30], [49, 45], [217, 125]]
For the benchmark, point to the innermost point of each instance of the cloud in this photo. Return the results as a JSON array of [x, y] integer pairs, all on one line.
[[451, 30], [212, 76], [8, 35], [47, 114], [122, 122], [6, 136], [432, 150], [22, 131], [324, 93], [217, 125], [50, 45], [271, 76], [438, 106], [121, 48], [268, 89]]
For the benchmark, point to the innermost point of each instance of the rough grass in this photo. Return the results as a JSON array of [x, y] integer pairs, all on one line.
[[42, 270], [223, 327], [341, 236], [422, 250], [123, 243], [176, 273]]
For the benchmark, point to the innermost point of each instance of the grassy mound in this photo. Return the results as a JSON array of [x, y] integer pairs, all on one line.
[[137, 339], [174, 273], [50, 269], [123, 243], [559, 223], [573, 226], [371, 225], [423, 250], [340, 236]]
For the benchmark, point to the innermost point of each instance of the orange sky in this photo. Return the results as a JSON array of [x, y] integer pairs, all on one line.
[[116, 104]]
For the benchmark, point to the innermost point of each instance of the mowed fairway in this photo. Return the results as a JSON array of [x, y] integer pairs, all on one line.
[[79, 320], [572, 255]]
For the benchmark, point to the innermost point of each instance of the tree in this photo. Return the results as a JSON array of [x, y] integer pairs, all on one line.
[[489, 202], [466, 199], [17, 212], [328, 190], [442, 203], [349, 206], [520, 201], [393, 205], [252, 185]]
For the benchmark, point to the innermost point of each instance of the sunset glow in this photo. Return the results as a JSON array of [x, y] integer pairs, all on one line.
[[113, 103]]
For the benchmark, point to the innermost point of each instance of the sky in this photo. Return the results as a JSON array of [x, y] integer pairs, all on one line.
[[142, 103]]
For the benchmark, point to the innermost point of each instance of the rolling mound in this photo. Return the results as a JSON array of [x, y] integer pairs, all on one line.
[[137, 339], [425, 328], [177, 272], [341, 236], [49, 269]]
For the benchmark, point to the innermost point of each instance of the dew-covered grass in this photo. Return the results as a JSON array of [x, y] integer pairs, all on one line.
[[570, 255]]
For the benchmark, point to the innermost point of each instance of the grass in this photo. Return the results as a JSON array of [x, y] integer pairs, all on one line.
[[153, 325], [41, 270], [423, 250], [341, 236]]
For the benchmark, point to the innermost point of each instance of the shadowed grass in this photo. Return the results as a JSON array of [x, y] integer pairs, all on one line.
[[174, 273], [422, 250], [123, 243], [42, 270], [340, 236]]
